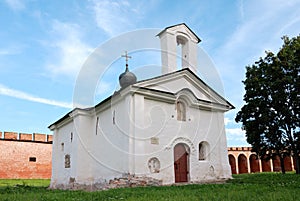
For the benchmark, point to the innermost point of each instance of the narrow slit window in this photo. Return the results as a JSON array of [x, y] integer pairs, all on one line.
[[114, 117], [97, 122]]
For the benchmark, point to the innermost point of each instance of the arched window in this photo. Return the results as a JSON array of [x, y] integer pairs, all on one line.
[[203, 151], [181, 111], [67, 161], [182, 51]]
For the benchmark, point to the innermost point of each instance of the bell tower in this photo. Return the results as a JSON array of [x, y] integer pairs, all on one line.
[[172, 37]]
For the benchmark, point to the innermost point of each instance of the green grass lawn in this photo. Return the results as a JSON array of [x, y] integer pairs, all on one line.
[[263, 186]]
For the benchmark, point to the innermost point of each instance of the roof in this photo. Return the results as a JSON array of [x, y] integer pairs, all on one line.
[[145, 88], [193, 74], [86, 109], [198, 39]]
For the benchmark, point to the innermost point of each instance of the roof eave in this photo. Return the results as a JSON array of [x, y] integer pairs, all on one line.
[[198, 39]]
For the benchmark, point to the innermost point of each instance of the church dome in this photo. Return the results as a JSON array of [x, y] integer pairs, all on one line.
[[127, 78]]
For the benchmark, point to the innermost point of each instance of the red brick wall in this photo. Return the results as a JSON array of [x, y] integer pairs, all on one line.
[[11, 135], [25, 136], [39, 137], [49, 138], [15, 154]]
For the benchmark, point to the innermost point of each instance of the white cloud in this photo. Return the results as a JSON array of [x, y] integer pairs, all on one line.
[[71, 51], [236, 137], [103, 88], [259, 27], [115, 17], [241, 9], [15, 5], [25, 96], [5, 52], [227, 121], [10, 51], [235, 132]]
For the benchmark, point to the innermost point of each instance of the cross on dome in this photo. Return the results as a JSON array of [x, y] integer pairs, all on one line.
[[126, 57], [127, 78]]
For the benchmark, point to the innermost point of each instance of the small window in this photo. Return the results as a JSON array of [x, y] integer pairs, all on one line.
[[203, 151], [181, 111], [32, 159], [97, 122], [114, 117], [67, 161]]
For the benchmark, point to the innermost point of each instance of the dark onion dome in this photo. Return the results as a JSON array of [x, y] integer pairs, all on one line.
[[127, 78]]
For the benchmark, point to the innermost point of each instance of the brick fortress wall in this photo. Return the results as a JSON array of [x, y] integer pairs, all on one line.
[[28, 156], [243, 160], [25, 156]]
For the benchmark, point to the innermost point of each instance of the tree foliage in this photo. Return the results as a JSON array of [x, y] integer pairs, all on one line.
[[271, 114]]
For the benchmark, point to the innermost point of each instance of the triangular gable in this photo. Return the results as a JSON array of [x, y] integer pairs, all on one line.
[[184, 79], [196, 87]]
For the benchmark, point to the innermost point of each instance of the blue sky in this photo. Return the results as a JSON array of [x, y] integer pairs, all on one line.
[[45, 43]]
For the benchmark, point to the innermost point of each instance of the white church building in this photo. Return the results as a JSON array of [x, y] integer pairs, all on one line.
[[168, 128]]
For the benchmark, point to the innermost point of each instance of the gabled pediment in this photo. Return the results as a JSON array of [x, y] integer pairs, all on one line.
[[185, 83]]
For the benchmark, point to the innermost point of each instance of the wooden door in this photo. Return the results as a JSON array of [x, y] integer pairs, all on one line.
[[180, 163]]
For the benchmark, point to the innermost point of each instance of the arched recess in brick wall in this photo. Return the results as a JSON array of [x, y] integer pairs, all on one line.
[[276, 164], [288, 163], [295, 164], [254, 163], [232, 163], [242, 163], [265, 165]]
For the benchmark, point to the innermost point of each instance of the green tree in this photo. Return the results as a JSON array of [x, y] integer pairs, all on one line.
[[271, 114]]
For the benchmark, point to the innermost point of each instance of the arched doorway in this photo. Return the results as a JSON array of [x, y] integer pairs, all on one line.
[[181, 163], [294, 162], [254, 163], [242, 163], [232, 164]]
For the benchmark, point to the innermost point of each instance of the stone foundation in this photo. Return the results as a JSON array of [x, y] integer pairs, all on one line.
[[133, 181], [126, 182], [122, 182]]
